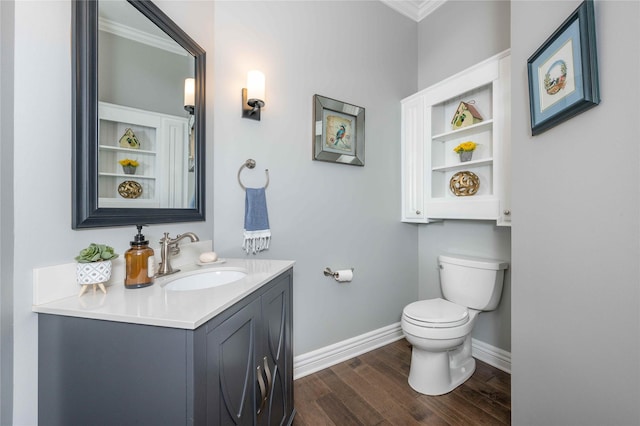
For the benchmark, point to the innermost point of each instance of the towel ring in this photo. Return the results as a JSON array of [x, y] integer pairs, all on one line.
[[250, 164]]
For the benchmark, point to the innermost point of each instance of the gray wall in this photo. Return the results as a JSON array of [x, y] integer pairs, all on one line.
[[456, 36], [321, 214], [6, 211], [575, 297], [460, 34], [124, 68]]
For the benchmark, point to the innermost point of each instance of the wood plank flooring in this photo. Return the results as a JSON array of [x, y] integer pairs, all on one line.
[[372, 389]]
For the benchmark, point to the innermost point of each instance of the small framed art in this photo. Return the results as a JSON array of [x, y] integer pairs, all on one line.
[[563, 72], [338, 131]]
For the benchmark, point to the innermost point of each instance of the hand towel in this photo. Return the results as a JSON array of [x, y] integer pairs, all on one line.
[[256, 221]]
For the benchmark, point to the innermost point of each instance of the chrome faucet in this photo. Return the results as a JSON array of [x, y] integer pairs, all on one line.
[[169, 247]]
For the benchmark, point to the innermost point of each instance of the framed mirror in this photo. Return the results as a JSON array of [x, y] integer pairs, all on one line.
[[138, 117]]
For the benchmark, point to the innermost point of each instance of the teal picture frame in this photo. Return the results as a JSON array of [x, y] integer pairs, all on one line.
[[563, 72]]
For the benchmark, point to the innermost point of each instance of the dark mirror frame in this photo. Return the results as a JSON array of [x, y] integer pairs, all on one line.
[[86, 213]]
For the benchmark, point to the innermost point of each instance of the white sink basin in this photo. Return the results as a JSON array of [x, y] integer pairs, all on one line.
[[205, 279]]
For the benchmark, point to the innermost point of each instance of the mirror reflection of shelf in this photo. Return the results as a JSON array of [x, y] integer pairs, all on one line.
[[124, 175], [162, 157], [126, 202], [131, 150]]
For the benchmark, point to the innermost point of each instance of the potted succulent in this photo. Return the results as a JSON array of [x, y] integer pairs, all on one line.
[[465, 149], [129, 166], [94, 265]]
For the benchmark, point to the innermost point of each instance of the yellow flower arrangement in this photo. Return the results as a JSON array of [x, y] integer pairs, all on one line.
[[465, 147], [128, 162]]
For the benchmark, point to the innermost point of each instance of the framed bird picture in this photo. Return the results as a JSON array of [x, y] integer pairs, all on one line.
[[338, 131]]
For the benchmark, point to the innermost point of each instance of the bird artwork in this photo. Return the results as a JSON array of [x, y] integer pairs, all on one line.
[[340, 135], [339, 132]]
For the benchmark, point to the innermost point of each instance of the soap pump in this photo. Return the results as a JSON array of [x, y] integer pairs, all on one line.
[[140, 262]]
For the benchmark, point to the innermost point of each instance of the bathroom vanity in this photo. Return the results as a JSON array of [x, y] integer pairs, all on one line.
[[157, 357]]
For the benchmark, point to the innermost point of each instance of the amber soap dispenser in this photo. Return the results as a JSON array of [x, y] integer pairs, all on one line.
[[140, 262]]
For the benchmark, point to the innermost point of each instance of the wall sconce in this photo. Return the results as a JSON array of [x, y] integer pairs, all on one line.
[[189, 94], [253, 95], [189, 106]]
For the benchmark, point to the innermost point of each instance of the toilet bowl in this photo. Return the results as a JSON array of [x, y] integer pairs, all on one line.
[[440, 329]]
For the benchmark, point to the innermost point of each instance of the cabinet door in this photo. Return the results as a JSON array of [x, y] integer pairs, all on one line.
[[173, 161], [276, 355], [232, 390], [412, 145], [503, 166]]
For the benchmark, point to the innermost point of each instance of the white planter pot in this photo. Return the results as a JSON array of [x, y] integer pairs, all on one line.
[[93, 273]]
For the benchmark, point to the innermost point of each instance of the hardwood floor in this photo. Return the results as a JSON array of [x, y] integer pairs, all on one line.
[[372, 389]]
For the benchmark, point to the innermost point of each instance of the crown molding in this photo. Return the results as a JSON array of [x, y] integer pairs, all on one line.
[[414, 9], [140, 36]]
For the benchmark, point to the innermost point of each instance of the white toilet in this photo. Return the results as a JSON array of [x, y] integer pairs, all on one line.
[[440, 330]]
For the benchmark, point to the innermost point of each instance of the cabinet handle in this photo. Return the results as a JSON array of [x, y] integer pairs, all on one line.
[[269, 378], [418, 212], [263, 396], [507, 212], [264, 393]]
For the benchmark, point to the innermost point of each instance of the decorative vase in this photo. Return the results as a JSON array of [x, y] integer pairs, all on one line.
[[129, 170], [93, 273], [465, 156]]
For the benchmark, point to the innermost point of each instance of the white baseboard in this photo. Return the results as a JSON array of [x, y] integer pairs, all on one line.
[[322, 358], [496, 357]]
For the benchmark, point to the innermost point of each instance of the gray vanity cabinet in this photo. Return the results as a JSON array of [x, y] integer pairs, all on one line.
[[237, 369], [249, 365]]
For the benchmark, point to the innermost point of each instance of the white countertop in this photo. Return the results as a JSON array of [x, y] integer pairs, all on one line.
[[154, 305]]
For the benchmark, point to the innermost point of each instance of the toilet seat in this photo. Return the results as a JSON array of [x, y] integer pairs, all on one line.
[[436, 313]]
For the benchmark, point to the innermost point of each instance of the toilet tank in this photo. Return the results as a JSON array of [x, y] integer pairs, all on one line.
[[473, 282]]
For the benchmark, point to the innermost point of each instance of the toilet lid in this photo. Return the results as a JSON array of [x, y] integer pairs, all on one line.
[[436, 313]]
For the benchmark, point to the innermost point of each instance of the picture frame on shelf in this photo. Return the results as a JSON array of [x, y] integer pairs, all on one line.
[[338, 135], [563, 72]]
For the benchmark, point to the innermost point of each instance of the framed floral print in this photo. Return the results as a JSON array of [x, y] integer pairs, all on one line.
[[563, 72]]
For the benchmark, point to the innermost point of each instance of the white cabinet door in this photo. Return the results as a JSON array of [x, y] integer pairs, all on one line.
[[503, 166], [412, 146]]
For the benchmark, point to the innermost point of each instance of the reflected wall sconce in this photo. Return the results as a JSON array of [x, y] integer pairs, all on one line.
[[189, 94], [189, 106], [253, 95]]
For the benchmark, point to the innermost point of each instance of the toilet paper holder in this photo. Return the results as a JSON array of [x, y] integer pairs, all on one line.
[[329, 273]]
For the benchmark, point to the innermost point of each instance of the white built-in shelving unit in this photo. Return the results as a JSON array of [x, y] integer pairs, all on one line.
[[428, 141]]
